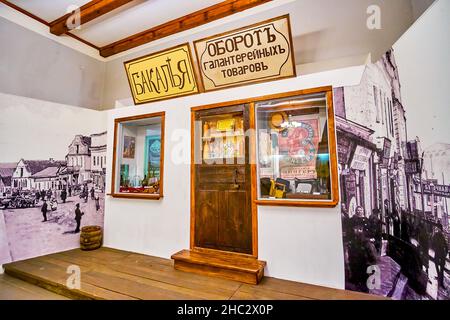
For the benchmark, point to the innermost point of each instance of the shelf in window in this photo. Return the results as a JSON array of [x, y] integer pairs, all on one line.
[[224, 159], [222, 136]]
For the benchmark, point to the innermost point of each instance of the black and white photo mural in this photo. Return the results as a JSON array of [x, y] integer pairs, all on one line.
[[395, 189], [52, 160]]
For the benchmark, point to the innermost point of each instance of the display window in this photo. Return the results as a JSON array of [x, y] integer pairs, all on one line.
[[138, 156], [296, 156], [223, 138]]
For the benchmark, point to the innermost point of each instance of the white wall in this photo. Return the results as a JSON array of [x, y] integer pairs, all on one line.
[[37, 67], [302, 244], [423, 58]]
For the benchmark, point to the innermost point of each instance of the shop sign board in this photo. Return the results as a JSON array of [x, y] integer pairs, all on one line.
[[350, 192], [361, 158], [344, 148], [386, 151], [413, 150], [412, 166], [437, 189], [162, 75], [257, 53], [394, 162]]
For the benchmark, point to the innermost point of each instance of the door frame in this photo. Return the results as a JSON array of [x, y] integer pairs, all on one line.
[[251, 150]]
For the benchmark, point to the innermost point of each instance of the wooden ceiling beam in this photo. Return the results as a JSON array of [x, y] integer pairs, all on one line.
[[88, 12], [195, 19]]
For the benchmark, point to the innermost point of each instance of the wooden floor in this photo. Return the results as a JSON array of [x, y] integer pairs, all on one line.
[[14, 289], [114, 274]]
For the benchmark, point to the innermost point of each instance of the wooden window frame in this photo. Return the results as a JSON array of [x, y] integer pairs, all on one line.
[[332, 150], [117, 121]]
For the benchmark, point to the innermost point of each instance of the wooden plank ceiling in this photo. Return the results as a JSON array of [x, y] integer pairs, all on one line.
[[98, 8]]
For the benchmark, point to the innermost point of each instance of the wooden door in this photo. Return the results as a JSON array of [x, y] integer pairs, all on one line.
[[222, 185]]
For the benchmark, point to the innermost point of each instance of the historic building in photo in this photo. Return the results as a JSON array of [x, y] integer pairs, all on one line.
[[430, 188], [6, 172], [98, 158], [85, 162], [48, 178], [79, 159], [371, 133], [23, 177]]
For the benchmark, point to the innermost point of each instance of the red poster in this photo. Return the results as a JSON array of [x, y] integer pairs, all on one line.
[[298, 145]]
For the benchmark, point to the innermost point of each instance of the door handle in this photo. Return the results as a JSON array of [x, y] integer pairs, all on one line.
[[235, 186]]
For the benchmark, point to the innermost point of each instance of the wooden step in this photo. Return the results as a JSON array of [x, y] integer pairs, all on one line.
[[220, 264]]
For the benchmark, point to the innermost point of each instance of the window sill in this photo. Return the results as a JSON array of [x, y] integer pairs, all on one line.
[[136, 196], [303, 203]]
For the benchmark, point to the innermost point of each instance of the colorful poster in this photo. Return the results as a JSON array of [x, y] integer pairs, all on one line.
[[298, 145], [129, 147], [152, 156], [124, 174]]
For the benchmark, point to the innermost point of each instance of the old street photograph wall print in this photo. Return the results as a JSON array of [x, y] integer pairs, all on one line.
[[394, 181], [43, 180]]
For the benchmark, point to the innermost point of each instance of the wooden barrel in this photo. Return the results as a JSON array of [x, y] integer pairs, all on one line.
[[91, 237]]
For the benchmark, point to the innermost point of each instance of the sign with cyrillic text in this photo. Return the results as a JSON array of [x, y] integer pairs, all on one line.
[[162, 75], [261, 52]]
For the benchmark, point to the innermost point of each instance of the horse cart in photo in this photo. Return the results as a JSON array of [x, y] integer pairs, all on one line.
[[22, 200]]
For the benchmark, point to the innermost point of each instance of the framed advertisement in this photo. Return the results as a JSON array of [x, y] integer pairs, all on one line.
[[129, 146]]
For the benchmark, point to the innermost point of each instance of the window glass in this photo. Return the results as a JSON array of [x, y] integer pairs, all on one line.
[[293, 150], [138, 155], [223, 139]]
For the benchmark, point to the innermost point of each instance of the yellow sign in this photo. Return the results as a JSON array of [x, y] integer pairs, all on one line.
[[257, 53], [225, 124], [162, 75]]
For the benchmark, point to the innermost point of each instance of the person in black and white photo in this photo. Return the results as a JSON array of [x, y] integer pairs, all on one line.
[[440, 247], [64, 195], [78, 215], [44, 210], [424, 245]]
